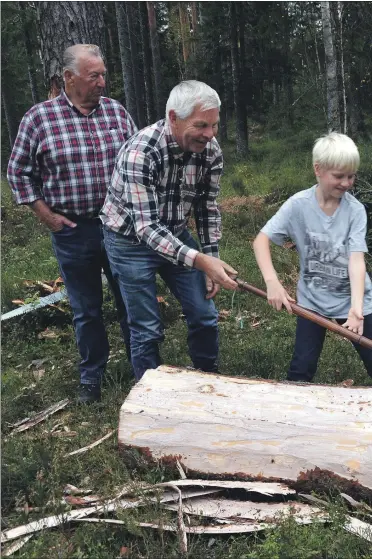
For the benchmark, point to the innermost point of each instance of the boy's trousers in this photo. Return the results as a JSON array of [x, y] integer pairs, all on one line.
[[309, 344]]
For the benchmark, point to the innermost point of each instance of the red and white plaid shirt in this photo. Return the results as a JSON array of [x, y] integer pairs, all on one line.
[[155, 187], [66, 158]]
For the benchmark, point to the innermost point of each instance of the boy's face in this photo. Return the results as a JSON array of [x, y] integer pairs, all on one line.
[[334, 182]]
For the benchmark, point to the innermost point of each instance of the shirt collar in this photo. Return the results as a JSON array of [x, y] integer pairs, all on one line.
[[63, 95], [175, 149]]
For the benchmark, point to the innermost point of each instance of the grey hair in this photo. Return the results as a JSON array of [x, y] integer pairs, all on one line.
[[72, 54], [185, 96], [336, 151]]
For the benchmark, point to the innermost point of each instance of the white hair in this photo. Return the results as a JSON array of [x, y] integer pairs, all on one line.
[[336, 151], [72, 54], [185, 96]]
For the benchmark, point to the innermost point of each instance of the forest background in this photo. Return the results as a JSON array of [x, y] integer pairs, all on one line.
[[286, 73]]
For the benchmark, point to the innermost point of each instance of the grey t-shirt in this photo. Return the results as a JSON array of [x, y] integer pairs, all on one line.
[[324, 244]]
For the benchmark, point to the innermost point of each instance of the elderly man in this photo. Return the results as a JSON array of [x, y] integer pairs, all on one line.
[[60, 166], [162, 174]]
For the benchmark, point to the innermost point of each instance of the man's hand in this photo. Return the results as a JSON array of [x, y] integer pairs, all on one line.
[[52, 220], [217, 270], [212, 288], [277, 296], [55, 222], [355, 322]]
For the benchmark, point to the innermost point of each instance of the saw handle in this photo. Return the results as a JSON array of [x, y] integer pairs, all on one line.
[[310, 315]]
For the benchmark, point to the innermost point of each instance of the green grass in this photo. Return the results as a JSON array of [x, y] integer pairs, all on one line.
[[255, 341]]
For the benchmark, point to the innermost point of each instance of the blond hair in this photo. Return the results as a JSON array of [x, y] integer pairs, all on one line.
[[336, 151]]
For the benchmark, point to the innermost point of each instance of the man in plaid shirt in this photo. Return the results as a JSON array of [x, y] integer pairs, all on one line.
[[60, 166], [163, 174]]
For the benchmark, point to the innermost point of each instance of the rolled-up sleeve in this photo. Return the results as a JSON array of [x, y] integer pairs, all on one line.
[[23, 169], [139, 179]]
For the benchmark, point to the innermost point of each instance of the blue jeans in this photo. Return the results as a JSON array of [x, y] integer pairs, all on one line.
[[309, 344], [81, 257], [134, 265]]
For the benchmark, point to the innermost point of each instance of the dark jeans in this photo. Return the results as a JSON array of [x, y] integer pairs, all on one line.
[[81, 257], [309, 344], [135, 266]]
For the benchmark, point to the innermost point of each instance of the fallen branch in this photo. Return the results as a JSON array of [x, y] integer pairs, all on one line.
[[39, 417], [92, 445], [16, 546]]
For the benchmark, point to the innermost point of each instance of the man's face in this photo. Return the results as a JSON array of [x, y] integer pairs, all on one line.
[[194, 132], [334, 182], [88, 86]]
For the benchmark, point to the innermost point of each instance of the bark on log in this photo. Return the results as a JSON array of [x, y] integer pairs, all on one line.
[[236, 426]]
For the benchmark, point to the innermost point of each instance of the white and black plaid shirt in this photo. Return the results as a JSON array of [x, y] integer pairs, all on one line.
[[154, 188]]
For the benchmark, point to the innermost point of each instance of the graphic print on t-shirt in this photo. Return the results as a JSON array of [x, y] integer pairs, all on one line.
[[326, 263]]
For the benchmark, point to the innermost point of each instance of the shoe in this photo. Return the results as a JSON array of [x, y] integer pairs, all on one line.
[[89, 393]]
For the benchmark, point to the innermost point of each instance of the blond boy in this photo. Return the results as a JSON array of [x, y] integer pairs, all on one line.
[[328, 226]]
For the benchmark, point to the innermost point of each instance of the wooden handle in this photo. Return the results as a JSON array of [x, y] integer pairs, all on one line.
[[304, 313]]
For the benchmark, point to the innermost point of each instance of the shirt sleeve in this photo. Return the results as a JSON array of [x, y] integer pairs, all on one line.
[[23, 169], [358, 231], [132, 128], [277, 228], [206, 211], [139, 177]]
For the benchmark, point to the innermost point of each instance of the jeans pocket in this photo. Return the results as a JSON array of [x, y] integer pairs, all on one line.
[[66, 231]]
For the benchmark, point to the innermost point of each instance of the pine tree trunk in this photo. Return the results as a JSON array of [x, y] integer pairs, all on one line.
[[288, 81], [342, 68], [126, 60], [185, 33], [194, 20], [139, 84], [156, 61], [147, 63], [29, 55], [333, 112], [223, 97], [240, 110], [10, 112], [63, 24]]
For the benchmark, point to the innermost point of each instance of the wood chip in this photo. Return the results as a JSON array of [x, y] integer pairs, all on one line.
[[359, 528], [355, 503], [180, 470], [92, 445], [81, 500], [39, 417], [73, 490]]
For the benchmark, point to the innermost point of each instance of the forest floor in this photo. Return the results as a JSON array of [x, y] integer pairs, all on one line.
[[39, 368]]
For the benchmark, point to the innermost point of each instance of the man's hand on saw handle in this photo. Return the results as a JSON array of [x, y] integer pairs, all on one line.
[[217, 270]]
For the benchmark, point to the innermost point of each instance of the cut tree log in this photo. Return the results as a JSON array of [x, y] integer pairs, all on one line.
[[249, 428]]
